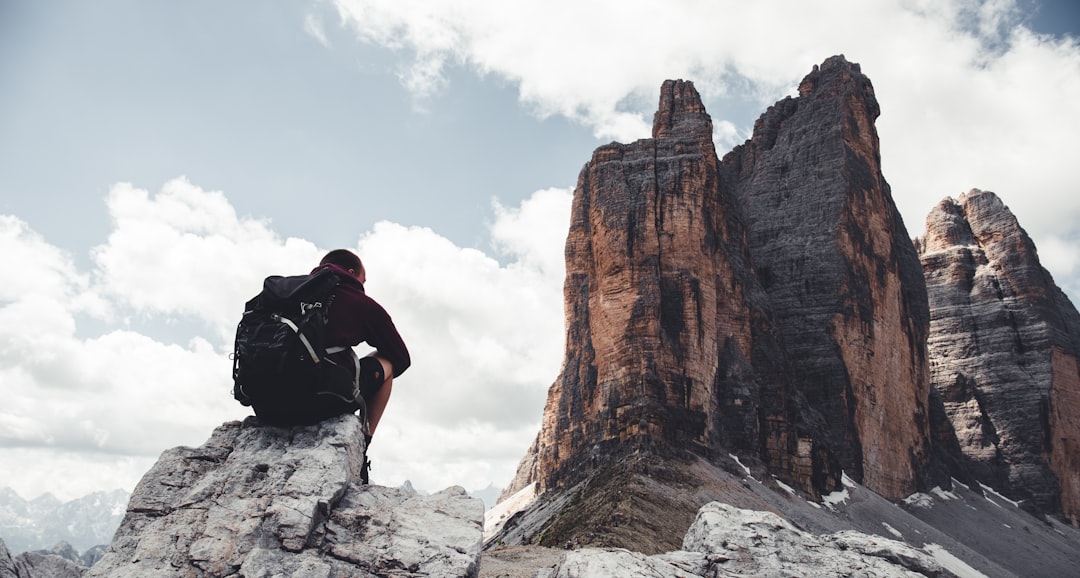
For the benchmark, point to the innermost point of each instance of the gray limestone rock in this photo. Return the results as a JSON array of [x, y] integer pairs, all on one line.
[[36, 565], [7, 564], [729, 541], [1005, 350], [844, 282], [258, 501]]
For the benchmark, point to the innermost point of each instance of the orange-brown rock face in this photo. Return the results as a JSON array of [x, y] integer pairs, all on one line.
[[771, 305], [659, 305], [844, 283], [1003, 346]]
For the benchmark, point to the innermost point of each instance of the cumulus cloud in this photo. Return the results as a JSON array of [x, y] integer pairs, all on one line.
[[485, 337], [970, 96], [185, 252], [535, 233]]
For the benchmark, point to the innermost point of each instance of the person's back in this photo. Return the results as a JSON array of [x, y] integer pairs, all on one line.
[[344, 383]]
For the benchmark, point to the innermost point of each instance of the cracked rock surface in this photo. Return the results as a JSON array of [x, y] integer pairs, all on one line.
[[258, 501]]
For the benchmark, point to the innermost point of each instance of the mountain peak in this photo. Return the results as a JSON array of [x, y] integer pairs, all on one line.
[[1004, 349], [681, 111]]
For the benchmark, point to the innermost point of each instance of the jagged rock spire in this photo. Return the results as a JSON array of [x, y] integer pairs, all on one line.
[[681, 112]]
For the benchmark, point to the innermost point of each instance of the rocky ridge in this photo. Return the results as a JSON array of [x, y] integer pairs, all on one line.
[[844, 283], [729, 541], [968, 531], [664, 318], [45, 521]]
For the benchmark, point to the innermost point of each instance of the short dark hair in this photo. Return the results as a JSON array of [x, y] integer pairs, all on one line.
[[343, 258]]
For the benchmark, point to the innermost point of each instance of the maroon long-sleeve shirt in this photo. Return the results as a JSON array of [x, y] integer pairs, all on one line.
[[356, 318]]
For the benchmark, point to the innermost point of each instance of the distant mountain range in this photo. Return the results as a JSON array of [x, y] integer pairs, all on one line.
[[43, 522]]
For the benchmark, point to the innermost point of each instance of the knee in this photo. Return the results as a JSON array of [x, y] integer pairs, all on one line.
[[388, 369]]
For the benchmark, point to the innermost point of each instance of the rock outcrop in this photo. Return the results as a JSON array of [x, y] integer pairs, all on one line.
[[729, 541], [36, 565], [257, 501], [68, 552], [1004, 347]]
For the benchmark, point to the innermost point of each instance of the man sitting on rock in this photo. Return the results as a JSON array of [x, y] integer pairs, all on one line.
[[354, 318]]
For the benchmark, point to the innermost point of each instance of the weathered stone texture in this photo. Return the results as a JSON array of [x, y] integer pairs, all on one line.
[[7, 564], [729, 541], [771, 305], [660, 305], [258, 501], [1003, 346], [845, 284], [36, 565]]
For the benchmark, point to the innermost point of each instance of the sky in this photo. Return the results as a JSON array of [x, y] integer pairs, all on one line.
[[159, 159]]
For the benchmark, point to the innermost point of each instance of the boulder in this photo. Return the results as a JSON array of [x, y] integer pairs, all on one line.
[[729, 541]]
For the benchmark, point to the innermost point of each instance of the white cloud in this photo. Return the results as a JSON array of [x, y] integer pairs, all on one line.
[[67, 474], [313, 26], [41, 270], [486, 339], [185, 252], [970, 97], [535, 232]]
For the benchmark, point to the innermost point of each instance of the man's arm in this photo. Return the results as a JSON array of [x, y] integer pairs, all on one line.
[[384, 337]]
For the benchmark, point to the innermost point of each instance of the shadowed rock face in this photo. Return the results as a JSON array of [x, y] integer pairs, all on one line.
[[664, 316], [771, 305], [844, 282], [1003, 346]]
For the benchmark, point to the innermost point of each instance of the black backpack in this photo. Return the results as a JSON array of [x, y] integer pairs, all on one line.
[[280, 361]]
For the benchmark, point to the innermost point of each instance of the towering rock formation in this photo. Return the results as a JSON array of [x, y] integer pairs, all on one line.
[[1004, 347], [663, 316], [844, 282], [771, 305]]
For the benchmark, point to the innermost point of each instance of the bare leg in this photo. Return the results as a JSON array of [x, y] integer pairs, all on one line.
[[377, 404]]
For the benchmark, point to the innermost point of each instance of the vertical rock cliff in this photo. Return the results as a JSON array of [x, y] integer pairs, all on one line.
[[1004, 345], [663, 315], [844, 282], [771, 305], [842, 278]]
